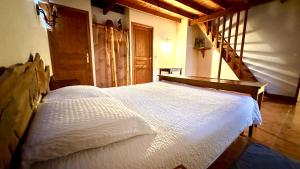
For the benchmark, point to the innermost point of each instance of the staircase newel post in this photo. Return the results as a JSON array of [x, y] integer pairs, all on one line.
[[222, 42], [229, 36], [236, 31], [243, 39], [217, 32]]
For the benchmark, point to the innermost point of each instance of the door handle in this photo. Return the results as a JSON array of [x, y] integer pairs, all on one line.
[[87, 58]]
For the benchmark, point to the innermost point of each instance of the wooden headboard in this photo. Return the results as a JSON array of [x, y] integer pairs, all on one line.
[[21, 88]]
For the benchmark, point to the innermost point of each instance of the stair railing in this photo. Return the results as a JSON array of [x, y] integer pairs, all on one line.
[[222, 43]]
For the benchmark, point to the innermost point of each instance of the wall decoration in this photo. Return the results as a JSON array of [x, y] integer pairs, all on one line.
[[47, 13]]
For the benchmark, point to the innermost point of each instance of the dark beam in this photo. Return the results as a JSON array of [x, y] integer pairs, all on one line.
[[233, 9], [258, 2], [297, 91], [171, 8], [131, 4], [219, 14], [212, 30], [109, 6], [196, 6], [102, 4], [217, 32], [221, 3]]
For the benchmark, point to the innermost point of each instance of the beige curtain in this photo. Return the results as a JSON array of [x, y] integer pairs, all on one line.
[[111, 48]]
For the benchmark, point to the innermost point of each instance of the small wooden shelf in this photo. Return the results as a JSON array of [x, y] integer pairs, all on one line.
[[203, 49]]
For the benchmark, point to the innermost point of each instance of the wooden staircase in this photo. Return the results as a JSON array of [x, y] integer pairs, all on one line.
[[222, 44]]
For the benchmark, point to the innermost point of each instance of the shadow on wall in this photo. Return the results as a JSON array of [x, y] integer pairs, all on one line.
[[271, 48]]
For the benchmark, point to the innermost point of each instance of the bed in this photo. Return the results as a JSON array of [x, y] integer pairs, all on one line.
[[193, 126]]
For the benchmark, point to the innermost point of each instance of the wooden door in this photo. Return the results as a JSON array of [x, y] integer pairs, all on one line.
[[142, 40], [70, 46]]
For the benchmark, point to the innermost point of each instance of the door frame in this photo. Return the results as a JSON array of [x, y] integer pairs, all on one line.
[[89, 41], [297, 91], [138, 25]]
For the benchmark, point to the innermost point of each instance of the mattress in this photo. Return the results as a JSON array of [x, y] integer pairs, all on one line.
[[194, 126]]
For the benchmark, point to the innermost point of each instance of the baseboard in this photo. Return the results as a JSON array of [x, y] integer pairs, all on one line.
[[288, 99]]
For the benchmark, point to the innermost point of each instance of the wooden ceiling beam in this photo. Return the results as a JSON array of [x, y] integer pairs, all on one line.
[[258, 2], [196, 6], [131, 4], [231, 10], [103, 4], [171, 8], [109, 6], [219, 14], [221, 3]]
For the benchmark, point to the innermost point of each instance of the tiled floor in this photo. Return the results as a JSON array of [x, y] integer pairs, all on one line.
[[281, 128], [280, 131]]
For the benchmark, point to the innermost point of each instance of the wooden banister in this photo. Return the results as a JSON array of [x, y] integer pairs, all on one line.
[[229, 36], [222, 42], [236, 31], [244, 33], [212, 29], [243, 41], [229, 53], [217, 32], [207, 27]]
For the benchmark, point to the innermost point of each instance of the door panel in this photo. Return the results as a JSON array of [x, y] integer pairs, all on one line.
[[70, 46], [142, 38]]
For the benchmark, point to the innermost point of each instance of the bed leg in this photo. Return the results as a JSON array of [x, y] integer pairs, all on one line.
[[250, 131]]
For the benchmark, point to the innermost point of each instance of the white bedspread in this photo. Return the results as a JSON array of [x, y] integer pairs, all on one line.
[[194, 126]]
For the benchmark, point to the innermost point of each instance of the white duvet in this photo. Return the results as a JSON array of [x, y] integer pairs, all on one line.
[[193, 125]]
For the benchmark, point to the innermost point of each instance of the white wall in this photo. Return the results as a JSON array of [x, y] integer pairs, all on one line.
[[272, 50], [21, 33], [181, 44], [163, 29], [193, 56], [83, 5], [207, 65]]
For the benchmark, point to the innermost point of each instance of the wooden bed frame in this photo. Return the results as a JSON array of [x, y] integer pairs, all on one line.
[[21, 89], [255, 89]]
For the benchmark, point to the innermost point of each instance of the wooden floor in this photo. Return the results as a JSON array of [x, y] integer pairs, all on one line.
[[280, 131]]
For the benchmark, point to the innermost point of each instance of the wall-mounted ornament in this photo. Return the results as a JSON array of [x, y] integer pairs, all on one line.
[[199, 42], [200, 45], [47, 13]]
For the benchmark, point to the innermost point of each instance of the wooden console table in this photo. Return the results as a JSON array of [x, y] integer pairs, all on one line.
[[170, 70], [255, 89]]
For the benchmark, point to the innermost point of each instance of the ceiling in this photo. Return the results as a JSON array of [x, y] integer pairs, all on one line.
[[194, 10]]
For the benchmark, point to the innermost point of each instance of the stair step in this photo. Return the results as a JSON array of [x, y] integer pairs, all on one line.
[[225, 47], [247, 73], [248, 79], [233, 60]]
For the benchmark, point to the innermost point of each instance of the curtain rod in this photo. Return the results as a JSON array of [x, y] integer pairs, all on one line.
[[100, 24]]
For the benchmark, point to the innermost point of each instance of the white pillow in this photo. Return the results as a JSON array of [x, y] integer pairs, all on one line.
[[69, 126], [73, 92]]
